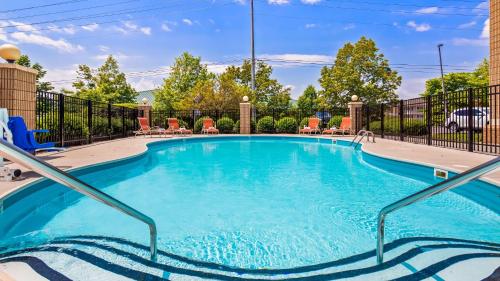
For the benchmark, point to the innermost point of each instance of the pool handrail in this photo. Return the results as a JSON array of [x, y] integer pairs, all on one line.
[[363, 133], [453, 182], [47, 170]]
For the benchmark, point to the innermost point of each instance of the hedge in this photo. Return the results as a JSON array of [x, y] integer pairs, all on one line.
[[225, 125], [287, 125], [265, 125]]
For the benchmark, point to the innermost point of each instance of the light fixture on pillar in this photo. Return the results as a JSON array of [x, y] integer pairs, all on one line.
[[10, 53], [145, 101], [354, 98], [245, 98]]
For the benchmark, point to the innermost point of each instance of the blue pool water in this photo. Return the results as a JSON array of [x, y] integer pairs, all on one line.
[[252, 202]]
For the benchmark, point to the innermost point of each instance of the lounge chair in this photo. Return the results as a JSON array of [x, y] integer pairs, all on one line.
[[345, 126], [145, 129], [25, 139], [175, 128], [209, 127], [313, 126]]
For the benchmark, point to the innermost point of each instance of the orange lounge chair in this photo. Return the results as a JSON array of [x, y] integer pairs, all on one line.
[[209, 127], [174, 127], [313, 126], [145, 129], [345, 126]]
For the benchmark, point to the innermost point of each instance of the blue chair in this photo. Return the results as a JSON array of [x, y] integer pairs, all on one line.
[[25, 139]]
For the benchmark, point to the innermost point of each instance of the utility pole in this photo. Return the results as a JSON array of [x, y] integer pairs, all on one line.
[[252, 42], [442, 82]]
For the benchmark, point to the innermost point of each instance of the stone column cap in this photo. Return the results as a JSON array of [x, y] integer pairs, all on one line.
[[19, 67], [355, 103]]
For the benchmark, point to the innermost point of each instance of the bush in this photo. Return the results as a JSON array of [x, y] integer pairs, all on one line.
[[265, 125], [198, 125], [304, 122], [287, 125], [335, 121], [412, 127], [225, 125], [237, 127]]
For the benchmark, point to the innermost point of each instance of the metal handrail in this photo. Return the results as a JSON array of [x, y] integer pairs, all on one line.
[[443, 186], [19, 156], [363, 133]]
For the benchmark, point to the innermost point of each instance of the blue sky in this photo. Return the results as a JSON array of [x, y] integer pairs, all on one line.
[[295, 36]]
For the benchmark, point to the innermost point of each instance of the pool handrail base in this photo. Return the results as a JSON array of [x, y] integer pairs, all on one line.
[[453, 182]]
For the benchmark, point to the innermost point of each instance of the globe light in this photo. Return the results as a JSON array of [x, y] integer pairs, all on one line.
[[10, 53], [245, 98], [145, 101], [354, 98]]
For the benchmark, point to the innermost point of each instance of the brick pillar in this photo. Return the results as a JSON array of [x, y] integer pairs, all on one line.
[[18, 92], [355, 115], [146, 108], [494, 127], [245, 115]]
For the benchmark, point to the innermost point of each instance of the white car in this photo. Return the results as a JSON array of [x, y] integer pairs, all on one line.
[[459, 119]]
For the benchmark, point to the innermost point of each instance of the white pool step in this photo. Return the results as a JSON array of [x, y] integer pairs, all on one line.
[[87, 258]]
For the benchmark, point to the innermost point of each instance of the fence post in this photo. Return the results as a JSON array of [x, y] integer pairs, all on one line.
[[367, 117], [124, 127], [429, 120], [273, 119], [109, 120], [470, 120], [61, 119], [401, 120], [382, 112], [89, 120], [193, 118]]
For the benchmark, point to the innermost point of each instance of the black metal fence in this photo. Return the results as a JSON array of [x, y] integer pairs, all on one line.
[[75, 121], [328, 118], [466, 120], [192, 119]]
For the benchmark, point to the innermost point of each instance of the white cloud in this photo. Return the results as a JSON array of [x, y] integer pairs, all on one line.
[[103, 48], [350, 26], [165, 27], [419, 27], [216, 68], [41, 40], [428, 10], [467, 24], [481, 7], [310, 25], [144, 84], [70, 29], [241, 2], [130, 26], [294, 60], [24, 27], [187, 21], [485, 34], [278, 2], [412, 87], [310, 2], [290, 87], [119, 56], [64, 77], [146, 30], [91, 27]]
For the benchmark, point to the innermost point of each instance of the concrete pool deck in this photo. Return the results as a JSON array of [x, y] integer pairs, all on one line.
[[81, 156]]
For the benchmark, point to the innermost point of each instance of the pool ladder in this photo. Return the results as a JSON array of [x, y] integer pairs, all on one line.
[[438, 188], [41, 167], [362, 134]]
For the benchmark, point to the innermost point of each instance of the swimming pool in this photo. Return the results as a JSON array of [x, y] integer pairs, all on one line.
[[253, 202]]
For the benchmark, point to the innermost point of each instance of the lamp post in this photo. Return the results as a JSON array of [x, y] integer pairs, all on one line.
[[252, 43], [10, 53], [442, 80]]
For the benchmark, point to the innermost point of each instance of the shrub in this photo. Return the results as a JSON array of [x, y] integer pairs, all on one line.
[[237, 127], [265, 125], [335, 121], [412, 127], [225, 125], [304, 122], [198, 125], [287, 125]]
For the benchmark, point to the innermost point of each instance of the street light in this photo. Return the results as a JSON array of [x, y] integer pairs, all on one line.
[[252, 43], [442, 80]]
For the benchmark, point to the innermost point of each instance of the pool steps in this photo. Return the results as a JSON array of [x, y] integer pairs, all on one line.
[[108, 258]]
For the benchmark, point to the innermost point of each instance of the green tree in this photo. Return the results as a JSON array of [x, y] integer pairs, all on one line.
[[269, 93], [41, 86], [459, 81], [106, 84], [186, 73], [359, 69], [308, 101]]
